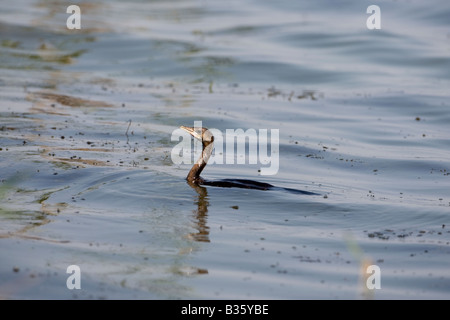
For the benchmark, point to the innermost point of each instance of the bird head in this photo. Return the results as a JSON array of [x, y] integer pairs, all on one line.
[[202, 134]]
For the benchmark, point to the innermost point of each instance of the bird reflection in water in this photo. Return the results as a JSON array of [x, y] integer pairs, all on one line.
[[201, 213]]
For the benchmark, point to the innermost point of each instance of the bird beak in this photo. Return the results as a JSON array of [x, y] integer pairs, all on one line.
[[193, 132]]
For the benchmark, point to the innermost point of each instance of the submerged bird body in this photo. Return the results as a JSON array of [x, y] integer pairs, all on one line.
[[207, 139]]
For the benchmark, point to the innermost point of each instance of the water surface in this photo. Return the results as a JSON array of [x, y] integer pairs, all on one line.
[[85, 147]]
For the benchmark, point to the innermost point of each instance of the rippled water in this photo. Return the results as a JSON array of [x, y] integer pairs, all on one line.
[[85, 146]]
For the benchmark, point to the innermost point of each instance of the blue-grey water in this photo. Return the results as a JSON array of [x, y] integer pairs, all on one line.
[[87, 178]]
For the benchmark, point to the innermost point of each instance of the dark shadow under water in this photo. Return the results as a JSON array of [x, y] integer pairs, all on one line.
[[251, 184]]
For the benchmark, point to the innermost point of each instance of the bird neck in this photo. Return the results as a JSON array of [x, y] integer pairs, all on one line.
[[197, 168]]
